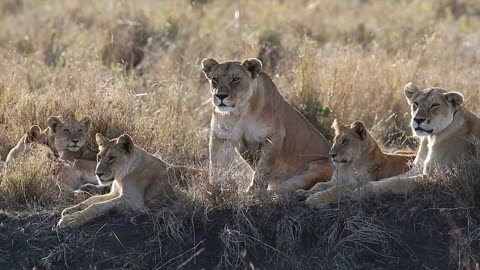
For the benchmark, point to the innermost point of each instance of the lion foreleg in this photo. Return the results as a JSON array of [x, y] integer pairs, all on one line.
[[92, 211], [92, 200], [264, 167], [324, 197], [221, 158], [396, 184], [316, 175]]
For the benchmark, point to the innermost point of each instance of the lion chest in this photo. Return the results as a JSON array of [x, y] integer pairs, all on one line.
[[241, 131]]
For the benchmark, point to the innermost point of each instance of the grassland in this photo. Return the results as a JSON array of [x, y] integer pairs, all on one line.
[[133, 66]]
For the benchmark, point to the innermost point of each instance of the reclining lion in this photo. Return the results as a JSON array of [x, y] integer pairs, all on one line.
[[283, 149], [136, 177], [358, 159], [448, 133]]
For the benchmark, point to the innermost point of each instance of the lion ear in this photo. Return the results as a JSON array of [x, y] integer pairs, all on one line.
[[126, 142], [455, 98], [207, 66], [33, 134], [87, 122], [410, 90], [101, 140], [53, 122], [360, 129], [253, 65], [336, 126]]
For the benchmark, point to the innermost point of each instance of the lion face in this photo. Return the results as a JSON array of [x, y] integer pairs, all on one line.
[[231, 82], [348, 142], [114, 158], [69, 135], [432, 109]]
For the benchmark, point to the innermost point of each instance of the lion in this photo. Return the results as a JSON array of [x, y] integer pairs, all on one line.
[[135, 175], [73, 175], [283, 149], [447, 130], [358, 159], [35, 137], [69, 137]]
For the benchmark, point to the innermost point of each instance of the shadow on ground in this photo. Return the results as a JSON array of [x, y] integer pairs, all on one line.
[[387, 232]]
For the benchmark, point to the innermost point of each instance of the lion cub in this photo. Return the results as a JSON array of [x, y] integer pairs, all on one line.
[[69, 137], [358, 159], [136, 177], [35, 137]]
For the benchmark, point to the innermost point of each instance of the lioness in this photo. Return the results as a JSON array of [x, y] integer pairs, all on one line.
[[35, 137], [136, 177], [447, 132], [285, 151], [69, 137], [358, 159]]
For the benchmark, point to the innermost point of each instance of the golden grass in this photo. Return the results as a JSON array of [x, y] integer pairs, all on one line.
[[336, 59]]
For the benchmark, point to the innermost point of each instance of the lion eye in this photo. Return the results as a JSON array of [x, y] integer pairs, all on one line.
[[215, 80], [80, 131], [434, 106], [235, 80], [66, 130], [111, 159], [345, 141], [415, 105]]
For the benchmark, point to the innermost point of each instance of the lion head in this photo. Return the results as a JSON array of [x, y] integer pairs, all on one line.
[[35, 138], [350, 142], [36, 135], [433, 109], [70, 134], [115, 157], [231, 82]]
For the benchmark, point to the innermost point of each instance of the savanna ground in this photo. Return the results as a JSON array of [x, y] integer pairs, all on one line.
[[133, 66]]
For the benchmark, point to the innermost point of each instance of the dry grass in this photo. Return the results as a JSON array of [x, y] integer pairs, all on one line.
[[331, 59]]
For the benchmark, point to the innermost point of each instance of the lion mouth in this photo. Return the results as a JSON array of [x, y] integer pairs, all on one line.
[[105, 181], [73, 148], [341, 161], [419, 129]]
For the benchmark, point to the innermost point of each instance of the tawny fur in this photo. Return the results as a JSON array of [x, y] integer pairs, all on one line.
[[35, 137], [137, 177], [447, 135], [358, 159], [283, 149], [69, 136]]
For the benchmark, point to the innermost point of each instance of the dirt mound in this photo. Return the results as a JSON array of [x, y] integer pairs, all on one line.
[[380, 233]]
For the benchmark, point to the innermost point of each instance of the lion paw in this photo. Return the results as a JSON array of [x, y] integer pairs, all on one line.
[[71, 221], [71, 210], [316, 201], [301, 195]]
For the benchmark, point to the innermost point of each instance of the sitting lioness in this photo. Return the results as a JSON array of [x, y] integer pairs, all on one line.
[[447, 131], [35, 137], [69, 137], [136, 177], [358, 159], [285, 151]]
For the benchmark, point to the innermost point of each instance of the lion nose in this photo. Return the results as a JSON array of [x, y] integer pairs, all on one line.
[[99, 174], [75, 140], [333, 155], [221, 96], [419, 120]]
